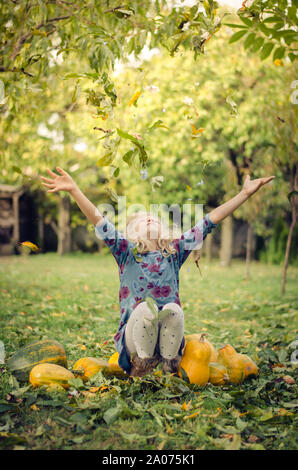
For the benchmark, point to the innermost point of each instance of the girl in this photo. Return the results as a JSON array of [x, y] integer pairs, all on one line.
[[144, 339]]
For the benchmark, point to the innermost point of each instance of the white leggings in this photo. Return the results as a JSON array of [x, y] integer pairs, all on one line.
[[141, 332]]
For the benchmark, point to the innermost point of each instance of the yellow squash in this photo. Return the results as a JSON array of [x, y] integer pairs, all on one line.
[[229, 357], [218, 374], [197, 337], [195, 361], [89, 366], [114, 367], [250, 367], [48, 374]]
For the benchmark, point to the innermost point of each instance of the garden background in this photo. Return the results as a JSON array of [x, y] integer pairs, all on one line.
[[164, 103]]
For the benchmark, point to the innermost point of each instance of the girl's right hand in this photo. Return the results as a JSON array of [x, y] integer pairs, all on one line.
[[62, 182]]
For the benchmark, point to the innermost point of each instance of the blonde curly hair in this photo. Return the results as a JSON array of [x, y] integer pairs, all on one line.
[[164, 242]]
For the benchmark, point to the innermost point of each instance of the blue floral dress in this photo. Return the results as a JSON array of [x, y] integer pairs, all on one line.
[[156, 276]]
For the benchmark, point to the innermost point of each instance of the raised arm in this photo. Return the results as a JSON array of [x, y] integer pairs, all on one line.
[[249, 188], [64, 182]]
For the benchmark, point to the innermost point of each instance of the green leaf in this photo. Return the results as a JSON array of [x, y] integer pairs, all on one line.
[[279, 53], [246, 21], [116, 172], [128, 156], [111, 415], [237, 36], [112, 194], [137, 257], [106, 160], [76, 383], [257, 44], [151, 304], [272, 19], [158, 123], [16, 169], [266, 50], [184, 375], [241, 26], [249, 40]]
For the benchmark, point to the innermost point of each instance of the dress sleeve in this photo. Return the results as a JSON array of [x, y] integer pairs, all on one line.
[[117, 243], [192, 239]]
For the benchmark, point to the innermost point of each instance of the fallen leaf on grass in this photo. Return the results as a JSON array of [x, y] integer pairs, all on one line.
[[30, 245], [288, 379], [192, 415]]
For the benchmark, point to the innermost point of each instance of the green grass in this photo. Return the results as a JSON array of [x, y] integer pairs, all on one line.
[[74, 299]]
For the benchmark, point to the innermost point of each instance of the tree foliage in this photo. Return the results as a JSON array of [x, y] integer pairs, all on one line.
[[268, 28]]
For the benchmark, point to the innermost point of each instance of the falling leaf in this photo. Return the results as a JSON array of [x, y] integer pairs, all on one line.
[[156, 181], [169, 429], [34, 407], [278, 62], [197, 131], [106, 160], [158, 123], [188, 188], [193, 415], [161, 445], [112, 194], [136, 255], [233, 105], [252, 439], [30, 245], [288, 379], [134, 99]]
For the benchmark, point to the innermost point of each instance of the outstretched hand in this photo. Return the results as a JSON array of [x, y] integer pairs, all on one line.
[[62, 182], [251, 186]]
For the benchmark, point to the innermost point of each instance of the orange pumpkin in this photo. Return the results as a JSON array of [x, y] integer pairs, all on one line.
[[197, 337], [250, 367], [89, 366], [195, 361], [113, 366], [49, 374], [218, 374], [229, 357]]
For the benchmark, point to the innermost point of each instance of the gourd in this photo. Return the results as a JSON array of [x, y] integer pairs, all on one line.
[[114, 368], [195, 361], [46, 350], [218, 374], [250, 367], [89, 366], [229, 357], [49, 374], [197, 337]]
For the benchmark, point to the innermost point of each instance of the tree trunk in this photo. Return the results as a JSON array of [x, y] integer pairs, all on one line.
[[248, 251], [208, 246], [226, 242], [64, 229], [290, 236], [16, 223], [40, 232]]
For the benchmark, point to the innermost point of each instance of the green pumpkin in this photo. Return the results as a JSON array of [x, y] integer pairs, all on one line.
[[46, 350]]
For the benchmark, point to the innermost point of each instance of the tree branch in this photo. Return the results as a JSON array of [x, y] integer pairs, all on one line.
[[22, 39], [21, 70]]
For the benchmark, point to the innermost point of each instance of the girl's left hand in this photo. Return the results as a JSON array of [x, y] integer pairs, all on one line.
[[251, 186]]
